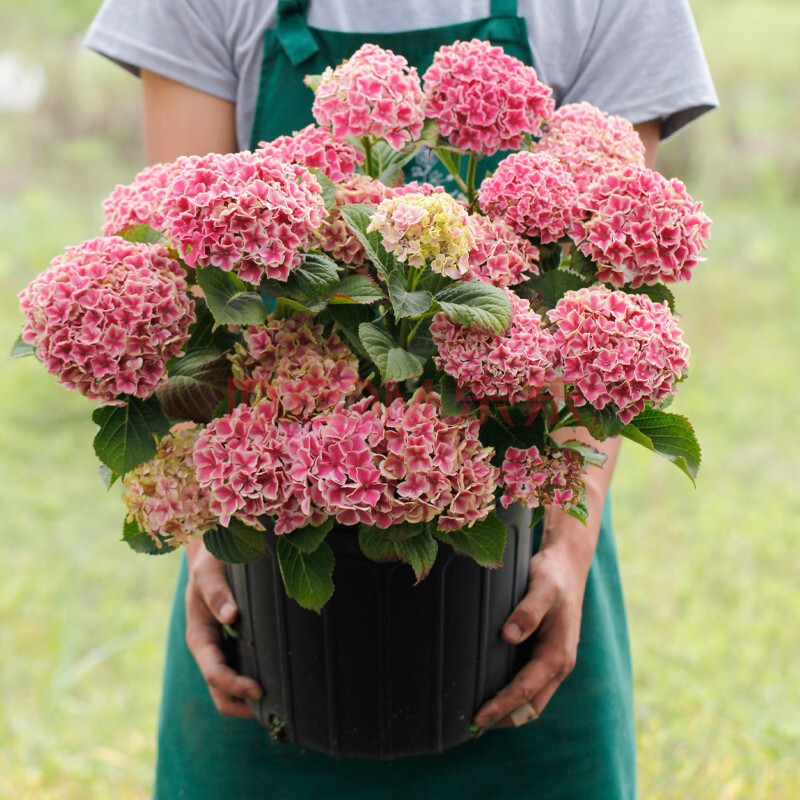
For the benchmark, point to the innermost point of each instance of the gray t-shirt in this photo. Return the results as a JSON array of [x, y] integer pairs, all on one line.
[[641, 59]]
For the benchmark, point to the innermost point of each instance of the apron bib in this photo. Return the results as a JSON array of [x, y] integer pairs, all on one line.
[[294, 49], [583, 745]]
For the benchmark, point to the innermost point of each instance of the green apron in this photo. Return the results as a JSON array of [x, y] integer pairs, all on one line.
[[582, 748]]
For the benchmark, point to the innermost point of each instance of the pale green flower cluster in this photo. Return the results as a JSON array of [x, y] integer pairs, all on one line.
[[426, 229]]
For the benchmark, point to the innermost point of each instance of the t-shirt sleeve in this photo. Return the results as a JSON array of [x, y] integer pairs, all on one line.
[[644, 60], [184, 40]]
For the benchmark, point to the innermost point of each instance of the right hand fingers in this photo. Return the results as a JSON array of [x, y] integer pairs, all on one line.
[[210, 578], [228, 689]]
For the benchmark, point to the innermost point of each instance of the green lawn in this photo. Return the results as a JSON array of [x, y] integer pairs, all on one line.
[[711, 574]]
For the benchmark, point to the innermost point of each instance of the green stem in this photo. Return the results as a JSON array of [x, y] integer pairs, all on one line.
[[470, 187], [413, 332], [369, 165], [565, 419], [453, 169]]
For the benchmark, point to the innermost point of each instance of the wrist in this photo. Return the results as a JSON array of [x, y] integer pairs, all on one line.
[[566, 536]]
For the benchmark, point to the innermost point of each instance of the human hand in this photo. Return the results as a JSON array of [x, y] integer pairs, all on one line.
[[552, 609], [209, 605]]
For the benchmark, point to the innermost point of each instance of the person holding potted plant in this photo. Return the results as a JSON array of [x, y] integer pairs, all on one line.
[[221, 76]]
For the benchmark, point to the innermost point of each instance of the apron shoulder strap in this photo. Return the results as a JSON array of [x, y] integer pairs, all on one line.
[[504, 8], [292, 31]]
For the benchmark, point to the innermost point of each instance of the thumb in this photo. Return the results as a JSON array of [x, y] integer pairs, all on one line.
[[216, 593]]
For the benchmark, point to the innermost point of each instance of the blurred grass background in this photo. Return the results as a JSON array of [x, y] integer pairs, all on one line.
[[711, 575]]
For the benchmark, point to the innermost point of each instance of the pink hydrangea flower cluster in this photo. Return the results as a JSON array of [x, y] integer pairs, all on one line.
[[403, 463], [290, 360], [500, 256], [591, 143], [373, 93], [515, 364], [251, 463], [245, 212], [433, 229], [107, 316], [640, 228], [362, 463], [533, 193], [618, 349], [333, 236], [483, 99], [138, 203], [163, 495], [315, 147], [553, 477], [414, 187]]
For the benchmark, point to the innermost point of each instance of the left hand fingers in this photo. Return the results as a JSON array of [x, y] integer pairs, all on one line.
[[530, 611], [537, 704], [530, 680]]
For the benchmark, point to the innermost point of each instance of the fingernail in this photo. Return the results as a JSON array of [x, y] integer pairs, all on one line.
[[254, 692], [513, 631], [228, 610]]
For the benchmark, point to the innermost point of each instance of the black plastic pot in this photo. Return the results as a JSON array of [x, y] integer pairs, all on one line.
[[388, 669]]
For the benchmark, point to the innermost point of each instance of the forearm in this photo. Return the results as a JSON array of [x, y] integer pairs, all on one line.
[[563, 532], [560, 529]]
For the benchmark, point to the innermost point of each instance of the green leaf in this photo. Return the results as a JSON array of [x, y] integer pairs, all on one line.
[[204, 332], [315, 277], [658, 294], [394, 363], [579, 511], [357, 218], [669, 435], [455, 401], [21, 349], [127, 435], [537, 516], [591, 455], [141, 234], [419, 552], [309, 538], [519, 426], [602, 424], [328, 188], [405, 303], [476, 303], [237, 543], [197, 385], [556, 283], [285, 307], [485, 542], [450, 159], [308, 577], [401, 365], [356, 288], [402, 531], [430, 134], [142, 542], [386, 156], [229, 299], [550, 256], [582, 265], [376, 545], [349, 317]]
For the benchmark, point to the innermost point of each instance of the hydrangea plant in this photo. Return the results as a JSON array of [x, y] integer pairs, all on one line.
[[291, 338]]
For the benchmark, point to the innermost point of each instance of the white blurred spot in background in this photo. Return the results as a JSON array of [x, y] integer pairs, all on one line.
[[22, 83]]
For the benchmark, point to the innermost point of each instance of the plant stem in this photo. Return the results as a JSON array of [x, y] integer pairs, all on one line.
[[369, 165], [453, 169], [470, 187], [413, 332], [565, 419]]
